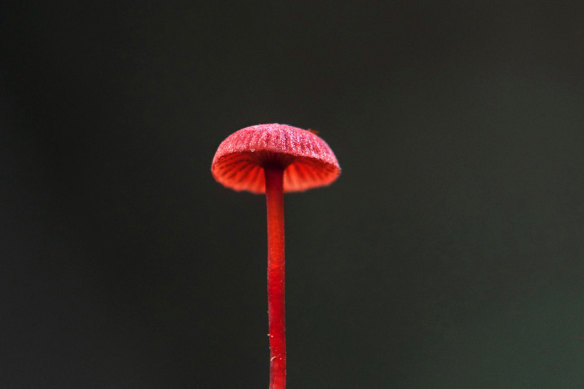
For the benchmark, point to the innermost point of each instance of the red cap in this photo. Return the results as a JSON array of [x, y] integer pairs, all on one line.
[[240, 159]]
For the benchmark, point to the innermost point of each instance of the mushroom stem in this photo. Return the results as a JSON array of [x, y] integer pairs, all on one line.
[[276, 271]]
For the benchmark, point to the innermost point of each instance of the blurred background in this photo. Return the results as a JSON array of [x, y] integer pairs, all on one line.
[[449, 254]]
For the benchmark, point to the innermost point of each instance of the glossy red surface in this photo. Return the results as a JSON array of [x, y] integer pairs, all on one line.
[[276, 277]]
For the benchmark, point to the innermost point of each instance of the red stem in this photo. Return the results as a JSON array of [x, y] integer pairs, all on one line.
[[276, 309]]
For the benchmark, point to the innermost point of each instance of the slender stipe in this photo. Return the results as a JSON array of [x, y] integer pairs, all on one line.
[[276, 276]]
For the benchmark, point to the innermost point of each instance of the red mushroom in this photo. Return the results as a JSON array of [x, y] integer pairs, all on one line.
[[273, 159]]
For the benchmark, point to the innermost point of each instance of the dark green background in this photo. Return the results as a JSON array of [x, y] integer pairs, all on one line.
[[449, 254]]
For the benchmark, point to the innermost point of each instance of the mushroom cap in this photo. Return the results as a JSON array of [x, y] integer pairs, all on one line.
[[307, 160]]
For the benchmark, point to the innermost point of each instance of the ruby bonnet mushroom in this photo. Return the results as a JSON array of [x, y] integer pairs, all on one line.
[[274, 159]]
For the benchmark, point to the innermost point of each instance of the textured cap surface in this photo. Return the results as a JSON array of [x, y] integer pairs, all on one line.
[[307, 159]]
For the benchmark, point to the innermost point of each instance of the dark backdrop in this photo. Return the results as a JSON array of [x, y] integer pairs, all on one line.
[[449, 253]]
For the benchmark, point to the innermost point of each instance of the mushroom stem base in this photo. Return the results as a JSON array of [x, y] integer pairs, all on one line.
[[276, 271]]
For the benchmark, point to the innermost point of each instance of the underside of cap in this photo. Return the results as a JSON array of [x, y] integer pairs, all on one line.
[[307, 160]]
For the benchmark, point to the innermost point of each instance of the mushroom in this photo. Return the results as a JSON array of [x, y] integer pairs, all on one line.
[[274, 159]]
